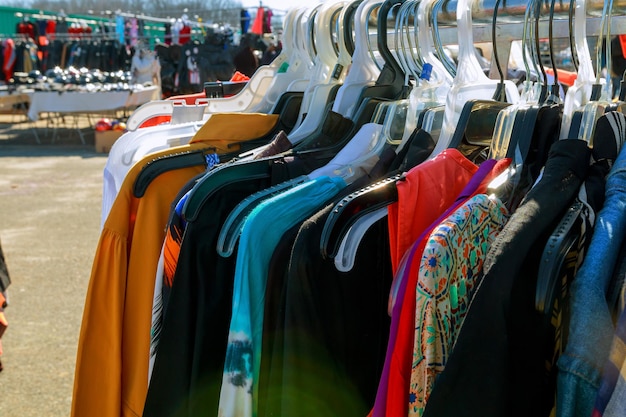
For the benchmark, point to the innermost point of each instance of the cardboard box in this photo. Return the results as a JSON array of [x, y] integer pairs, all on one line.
[[106, 139]]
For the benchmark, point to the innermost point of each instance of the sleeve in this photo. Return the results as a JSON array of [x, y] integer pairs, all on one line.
[[97, 378]]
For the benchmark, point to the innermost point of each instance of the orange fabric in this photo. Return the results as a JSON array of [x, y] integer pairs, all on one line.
[[402, 357], [224, 130], [190, 99], [257, 26], [622, 41], [111, 376], [238, 77], [565, 77], [155, 121], [411, 215]]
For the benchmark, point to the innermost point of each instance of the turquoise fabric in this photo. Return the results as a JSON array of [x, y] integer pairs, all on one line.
[[261, 232]]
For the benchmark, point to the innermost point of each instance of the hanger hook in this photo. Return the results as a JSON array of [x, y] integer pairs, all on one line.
[[572, 42], [555, 86], [413, 47], [500, 93], [525, 48], [448, 64], [537, 10]]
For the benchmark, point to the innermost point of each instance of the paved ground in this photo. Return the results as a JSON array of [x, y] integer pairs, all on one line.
[[50, 196]]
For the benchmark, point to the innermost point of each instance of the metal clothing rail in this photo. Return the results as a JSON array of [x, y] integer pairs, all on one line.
[[512, 11], [513, 31]]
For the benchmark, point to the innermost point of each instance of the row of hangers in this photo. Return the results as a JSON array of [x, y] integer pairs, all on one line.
[[320, 43], [584, 103], [379, 66]]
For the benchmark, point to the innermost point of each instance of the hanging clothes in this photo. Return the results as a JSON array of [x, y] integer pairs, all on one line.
[[5, 281], [112, 360], [244, 21], [257, 25], [9, 58], [516, 363], [392, 396], [436, 317], [121, 288], [580, 366], [609, 401], [176, 383], [261, 233]]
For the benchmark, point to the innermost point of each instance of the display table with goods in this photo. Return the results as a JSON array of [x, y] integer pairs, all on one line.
[[99, 101], [72, 92]]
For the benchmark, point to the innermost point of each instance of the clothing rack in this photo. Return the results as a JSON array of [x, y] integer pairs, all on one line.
[[513, 31], [510, 23], [161, 19], [57, 17]]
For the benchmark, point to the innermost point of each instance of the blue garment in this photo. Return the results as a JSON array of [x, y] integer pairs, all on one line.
[[120, 25], [611, 399], [261, 232], [591, 326]]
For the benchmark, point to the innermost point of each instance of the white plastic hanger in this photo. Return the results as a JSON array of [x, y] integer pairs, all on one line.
[[594, 109], [259, 95], [294, 70], [322, 82], [133, 146], [578, 94], [431, 89], [506, 118], [363, 71], [405, 49], [470, 81]]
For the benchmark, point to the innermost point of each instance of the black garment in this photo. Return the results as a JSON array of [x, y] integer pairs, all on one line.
[[496, 367], [336, 326], [202, 62], [269, 55], [245, 61], [168, 33], [618, 60], [216, 62], [533, 152], [5, 280], [188, 369], [325, 332]]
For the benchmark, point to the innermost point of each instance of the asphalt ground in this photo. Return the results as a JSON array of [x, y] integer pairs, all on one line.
[[50, 198]]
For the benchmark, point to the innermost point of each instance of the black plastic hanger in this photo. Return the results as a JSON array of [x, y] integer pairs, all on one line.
[[348, 25], [390, 82], [523, 135], [354, 207], [478, 117], [388, 86], [322, 141], [558, 263], [555, 274]]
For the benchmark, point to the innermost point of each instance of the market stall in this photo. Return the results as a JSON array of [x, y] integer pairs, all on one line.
[[84, 102]]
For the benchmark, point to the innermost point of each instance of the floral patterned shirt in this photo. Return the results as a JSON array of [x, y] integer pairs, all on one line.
[[450, 264]]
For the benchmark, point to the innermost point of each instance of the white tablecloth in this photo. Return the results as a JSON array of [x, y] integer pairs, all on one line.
[[87, 102]]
